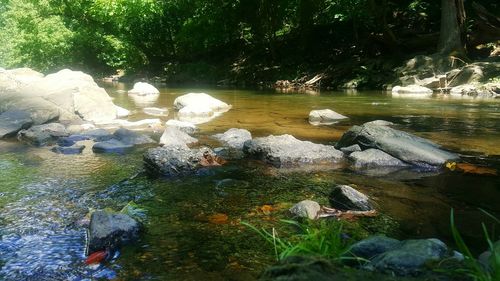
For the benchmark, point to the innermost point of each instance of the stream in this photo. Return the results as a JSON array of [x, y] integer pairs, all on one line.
[[44, 196]]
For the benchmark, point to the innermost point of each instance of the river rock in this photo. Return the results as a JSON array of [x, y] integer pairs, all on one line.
[[110, 231], [111, 146], [286, 151], [306, 209], [234, 138], [131, 137], [174, 160], [344, 197], [199, 108], [41, 135], [143, 89], [478, 72], [410, 257], [71, 140], [175, 137], [96, 135], [186, 127], [140, 124], [121, 112], [350, 149], [74, 149], [325, 117], [373, 246], [404, 146], [155, 111], [489, 90], [374, 158], [67, 95], [13, 121], [412, 89]]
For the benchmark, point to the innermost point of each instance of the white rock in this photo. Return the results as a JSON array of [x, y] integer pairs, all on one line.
[[306, 209], [411, 89], [143, 89], [325, 117], [186, 127], [199, 100], [121, 112], [175, 137]]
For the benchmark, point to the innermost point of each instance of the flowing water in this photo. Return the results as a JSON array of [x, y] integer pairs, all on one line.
[[193, 229]]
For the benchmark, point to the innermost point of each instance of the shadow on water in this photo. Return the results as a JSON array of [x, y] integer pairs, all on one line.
[[193, 229]]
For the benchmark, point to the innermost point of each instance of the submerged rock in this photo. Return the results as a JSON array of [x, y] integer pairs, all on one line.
[[410, 257], [111, 146], [131, 137], [234, 138], [306, 209], [111, 230], [287, 151], [300, 268], [186, 127], [68, 150], [41, 135], [155, 111], [404, 146], [174, 160], [175, 137], [344, 197], [95, 135], [143, 89], [373, 246], [325, 117], [13, 121]]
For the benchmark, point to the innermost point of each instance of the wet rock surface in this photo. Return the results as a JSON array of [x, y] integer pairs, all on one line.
[[13, 121], [371, 158], [112, 146], [131, 137], [175, 137], [344, 197], [41, 135], [186, 127], [325, 117], [174, 160], [111, 230], [234, 138], [404, 146], [287, 151], [68, 150]]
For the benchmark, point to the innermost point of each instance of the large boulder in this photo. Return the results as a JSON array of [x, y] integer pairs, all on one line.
[[65, 95], [344, 197], [325, 117], [411, 89], [402, 145], [143, 89], [175, 137], [174, 160], [287, 151], [199, 107], [234, 138], [13, 121], [109, 231], [43, 134]]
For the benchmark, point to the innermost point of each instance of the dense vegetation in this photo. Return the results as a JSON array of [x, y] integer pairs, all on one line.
[[208, 41]]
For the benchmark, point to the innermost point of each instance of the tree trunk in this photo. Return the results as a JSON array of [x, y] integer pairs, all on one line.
[[451, 39]]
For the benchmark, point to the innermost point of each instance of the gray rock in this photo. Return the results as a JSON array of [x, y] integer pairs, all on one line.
[[434, 82], [13, 121], [350, 149], [186, 127], [325, 117], [379, 123], [174, 160], [344, 197], [41, 135], [234, 138], [74, 149], [175, 137], [131, 137], [404, 146], [286, 151], [97, 135], [410, 257], [110, 231], [488, 90], [487, 259], [374, 158], [111, 146], [71, 140], [373, 246], [306, 209], [298, 268], [478, 72]]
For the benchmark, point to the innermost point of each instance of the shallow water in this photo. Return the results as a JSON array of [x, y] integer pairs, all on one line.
[[43, 195]]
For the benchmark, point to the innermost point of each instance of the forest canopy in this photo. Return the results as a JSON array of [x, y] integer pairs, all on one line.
[[162, 36]]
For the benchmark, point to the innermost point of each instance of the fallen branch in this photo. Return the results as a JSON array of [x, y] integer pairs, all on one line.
[[331, 212]]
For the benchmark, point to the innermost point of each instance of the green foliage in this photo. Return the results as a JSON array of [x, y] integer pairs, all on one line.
[[474, 268], [324, 239]]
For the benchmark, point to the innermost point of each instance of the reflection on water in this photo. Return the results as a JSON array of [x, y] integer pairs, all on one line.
[[44, 196]]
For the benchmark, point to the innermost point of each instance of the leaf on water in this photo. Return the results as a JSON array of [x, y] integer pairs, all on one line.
[[96, 257], [451, 166], [266, 209], [218, 218], [477, 170]]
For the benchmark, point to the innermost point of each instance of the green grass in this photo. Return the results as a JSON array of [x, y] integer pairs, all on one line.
[[323, 239], [473, 268]]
